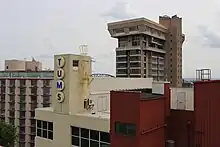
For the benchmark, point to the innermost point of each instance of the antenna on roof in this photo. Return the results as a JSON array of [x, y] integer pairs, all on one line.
[[83, 50]]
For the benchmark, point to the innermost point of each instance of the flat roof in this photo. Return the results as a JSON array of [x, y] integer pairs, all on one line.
[[27, 74], [100, 115], [136, 20], [150, 96]]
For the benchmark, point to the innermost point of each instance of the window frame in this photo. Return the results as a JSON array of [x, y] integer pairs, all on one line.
[[95, 140], [43, 130], [125, 129]]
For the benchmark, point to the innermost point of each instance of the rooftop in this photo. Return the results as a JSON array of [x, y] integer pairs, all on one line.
[[136, 20], [26, 74]]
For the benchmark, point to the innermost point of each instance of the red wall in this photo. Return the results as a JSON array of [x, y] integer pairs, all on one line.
[[180, 128], [207, 117], [125, 107], [152, 122], [148, 115]]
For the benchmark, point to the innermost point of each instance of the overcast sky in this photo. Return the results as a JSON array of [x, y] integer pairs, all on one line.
[[41, 28]]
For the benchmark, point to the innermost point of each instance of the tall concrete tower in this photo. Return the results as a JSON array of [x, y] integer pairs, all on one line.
[[71, 83]]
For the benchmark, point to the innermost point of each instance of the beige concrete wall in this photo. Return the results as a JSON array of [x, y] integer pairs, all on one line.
[[33, 65], [13, 65], [22, 65], [107, 84], [189, 98], [62, 127]]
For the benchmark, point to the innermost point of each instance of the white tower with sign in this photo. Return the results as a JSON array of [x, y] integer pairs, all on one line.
[[71, 82]]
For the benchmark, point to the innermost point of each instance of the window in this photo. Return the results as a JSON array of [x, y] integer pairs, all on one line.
[[89, 138], [45, 129], [125, 129], [76, 63]]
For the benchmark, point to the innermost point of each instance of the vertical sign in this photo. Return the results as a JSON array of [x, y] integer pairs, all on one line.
[[60, 85]]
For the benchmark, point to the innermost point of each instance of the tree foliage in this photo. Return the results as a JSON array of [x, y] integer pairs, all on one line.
[[8, 134]]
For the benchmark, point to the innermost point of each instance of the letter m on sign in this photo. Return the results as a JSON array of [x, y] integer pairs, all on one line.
[[59, 85]]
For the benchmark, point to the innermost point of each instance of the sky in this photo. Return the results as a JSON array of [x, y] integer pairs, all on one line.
[[42, 28]]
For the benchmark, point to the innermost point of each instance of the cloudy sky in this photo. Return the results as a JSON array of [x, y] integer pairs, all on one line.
[[41, 28]]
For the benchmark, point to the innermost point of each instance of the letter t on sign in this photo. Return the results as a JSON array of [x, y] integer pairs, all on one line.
[[60, 61]]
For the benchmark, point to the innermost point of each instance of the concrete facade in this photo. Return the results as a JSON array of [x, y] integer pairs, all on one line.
[[81, 104], [22, 65], [20, 94], [149, 49]]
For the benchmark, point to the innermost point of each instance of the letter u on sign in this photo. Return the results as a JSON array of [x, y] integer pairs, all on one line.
[[60, 74]]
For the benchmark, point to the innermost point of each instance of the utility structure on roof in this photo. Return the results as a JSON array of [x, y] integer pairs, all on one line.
[[149, 49]]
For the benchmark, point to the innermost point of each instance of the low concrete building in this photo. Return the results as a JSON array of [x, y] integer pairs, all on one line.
[[80, 112]]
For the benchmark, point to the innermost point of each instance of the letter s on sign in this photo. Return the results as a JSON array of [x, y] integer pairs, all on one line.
[[60, 97]]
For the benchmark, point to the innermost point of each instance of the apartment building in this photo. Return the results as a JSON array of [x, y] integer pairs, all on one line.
[[20, 93], [149, 49]]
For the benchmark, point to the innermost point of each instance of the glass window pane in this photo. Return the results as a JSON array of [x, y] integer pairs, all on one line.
[[94, 143], [75, 141], [94, 135], [131, 129], [45, 133], [39, 132], [44, 125], [84, 142], [50, 126], [84, 133], [50, 135], [120, 128], [39, 124], [104, 144], [105, 137], [75, 131]]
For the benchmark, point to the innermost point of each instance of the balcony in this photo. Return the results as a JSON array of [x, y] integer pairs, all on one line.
[[46, 94], [22, 131], [12, 99], [47, 83], [22, 123], [22, 107], [11, 93], [33, 106], [11, 108], [22, 138], [11, 85]]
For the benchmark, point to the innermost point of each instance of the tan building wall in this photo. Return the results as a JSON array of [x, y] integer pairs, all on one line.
[[22, 65], [14, 65]]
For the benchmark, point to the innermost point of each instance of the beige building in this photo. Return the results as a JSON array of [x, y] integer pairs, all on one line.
[[80, 112], [149, 49], [20, 93], [22, 65]]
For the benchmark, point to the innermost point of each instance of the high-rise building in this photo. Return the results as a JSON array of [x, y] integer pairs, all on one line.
[[173, 47], [149, 49], [20, 93]]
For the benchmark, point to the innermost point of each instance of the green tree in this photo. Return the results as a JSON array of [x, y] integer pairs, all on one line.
[[8, 134]]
